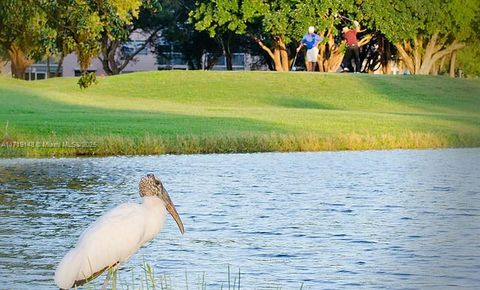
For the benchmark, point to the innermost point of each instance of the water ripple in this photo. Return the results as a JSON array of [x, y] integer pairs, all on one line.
[[332, 220]]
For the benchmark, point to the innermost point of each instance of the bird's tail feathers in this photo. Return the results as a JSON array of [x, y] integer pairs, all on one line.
[[68, 269]]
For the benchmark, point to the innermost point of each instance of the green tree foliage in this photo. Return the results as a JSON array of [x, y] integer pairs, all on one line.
[[219, 19], [184, 38], [151, 19], [31, 29], [425, 32], [469, 60], [24, 34], [274, 25], [269, 23], [469, 57], [324, 15], [84, 23]]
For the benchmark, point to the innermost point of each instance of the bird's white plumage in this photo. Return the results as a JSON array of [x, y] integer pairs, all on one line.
[[113, 238]]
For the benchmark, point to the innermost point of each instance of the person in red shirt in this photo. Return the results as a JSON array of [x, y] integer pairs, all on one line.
[[350, 35]]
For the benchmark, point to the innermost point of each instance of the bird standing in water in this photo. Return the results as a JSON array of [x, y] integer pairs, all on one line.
[[118, 234]]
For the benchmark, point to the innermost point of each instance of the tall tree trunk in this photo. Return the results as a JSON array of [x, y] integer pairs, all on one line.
[[420, 59], [386, 55], [270, 53], [60, 64], [225, 43], [330, 55], [228, 53], [323, 53], [19, 61], [109, 51], [283, 55], [229, 59], [48, 67], [335, 59], [277, 60], [453, 58], [417, 58], [278, 55], [441, 67], [112, 63], [404, 52], [434, 69], [426, 61]]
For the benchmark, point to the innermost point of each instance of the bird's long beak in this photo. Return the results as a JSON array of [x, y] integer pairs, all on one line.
[[173, 211]]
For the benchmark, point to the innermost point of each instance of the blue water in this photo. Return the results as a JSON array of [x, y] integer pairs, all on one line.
[[330, 220]]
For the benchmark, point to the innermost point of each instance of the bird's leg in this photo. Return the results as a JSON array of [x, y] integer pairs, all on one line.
[[112, 271], [105, 283], [114, 281]]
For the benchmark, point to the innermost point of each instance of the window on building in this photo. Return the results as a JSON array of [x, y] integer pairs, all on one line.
[[130, 47], [173, 58], [238, 59]]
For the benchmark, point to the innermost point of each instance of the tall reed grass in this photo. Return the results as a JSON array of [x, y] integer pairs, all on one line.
[[243, 143], [149, 280]]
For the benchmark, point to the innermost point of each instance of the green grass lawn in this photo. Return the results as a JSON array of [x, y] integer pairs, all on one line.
[[204, 112]]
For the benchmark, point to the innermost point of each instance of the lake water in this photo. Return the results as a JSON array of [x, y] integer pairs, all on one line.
[[331, 220]]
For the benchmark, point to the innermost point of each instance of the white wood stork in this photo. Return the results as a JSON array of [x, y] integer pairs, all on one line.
[[116, 235]]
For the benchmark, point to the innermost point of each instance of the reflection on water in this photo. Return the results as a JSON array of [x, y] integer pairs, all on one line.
[[387, 219]]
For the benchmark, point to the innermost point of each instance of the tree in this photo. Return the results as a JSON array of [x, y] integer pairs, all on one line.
[[277, 26], [150, 21], [266, 22], [324, 15], [24, 35], [468, 60], [31, 29], [192, 44], [182, 36], [87, 23], [469, 57], [424, 31]]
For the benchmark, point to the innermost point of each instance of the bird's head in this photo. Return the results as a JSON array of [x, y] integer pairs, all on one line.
[[152, 186]]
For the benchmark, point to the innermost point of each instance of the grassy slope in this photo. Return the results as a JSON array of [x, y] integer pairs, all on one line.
[[184, 112]]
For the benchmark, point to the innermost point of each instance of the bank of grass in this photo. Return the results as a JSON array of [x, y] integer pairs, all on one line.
[[218, 112]]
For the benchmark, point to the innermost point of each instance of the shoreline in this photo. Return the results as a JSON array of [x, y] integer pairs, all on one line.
[[254, 144]]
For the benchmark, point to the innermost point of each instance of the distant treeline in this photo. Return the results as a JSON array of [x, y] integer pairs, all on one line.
[[418, 36]]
